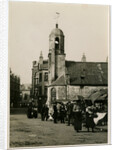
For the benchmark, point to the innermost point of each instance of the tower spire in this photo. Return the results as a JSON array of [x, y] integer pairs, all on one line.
[[83, 58], [41, 58], [41, 55]]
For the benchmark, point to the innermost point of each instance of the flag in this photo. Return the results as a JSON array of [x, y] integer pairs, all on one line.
[[57, 15]]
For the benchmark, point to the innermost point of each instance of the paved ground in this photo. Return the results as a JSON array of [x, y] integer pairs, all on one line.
[[26, 132]]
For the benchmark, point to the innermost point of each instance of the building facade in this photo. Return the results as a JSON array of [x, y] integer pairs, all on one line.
[[25, 91], [69, 79], [40, 80], [14, 90]]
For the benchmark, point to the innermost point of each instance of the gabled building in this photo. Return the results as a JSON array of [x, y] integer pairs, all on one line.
[[40, 80], [67, 79]]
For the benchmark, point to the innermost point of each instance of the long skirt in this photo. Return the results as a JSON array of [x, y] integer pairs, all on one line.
[[89, 121], [77, 121]]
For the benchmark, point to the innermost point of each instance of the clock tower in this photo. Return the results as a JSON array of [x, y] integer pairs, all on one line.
[[56, 64]]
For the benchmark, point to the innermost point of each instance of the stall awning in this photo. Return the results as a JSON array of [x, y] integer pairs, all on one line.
[[99, 95]]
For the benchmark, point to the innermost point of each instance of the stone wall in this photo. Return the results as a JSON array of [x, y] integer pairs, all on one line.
[[71, 92], [61, 95], [60, 65]]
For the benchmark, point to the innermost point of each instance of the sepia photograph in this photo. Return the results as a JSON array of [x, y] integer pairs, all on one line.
[[58, 74]]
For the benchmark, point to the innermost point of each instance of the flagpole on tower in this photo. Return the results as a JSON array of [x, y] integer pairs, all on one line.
[[56, 18]]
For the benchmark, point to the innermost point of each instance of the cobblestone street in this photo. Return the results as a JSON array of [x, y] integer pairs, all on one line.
[[26, 132]]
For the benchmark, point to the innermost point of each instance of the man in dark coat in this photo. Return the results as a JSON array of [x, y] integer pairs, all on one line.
[[55, 114], [46, 112], [62, 113], [69, 112], [35, 111], [30, 111], [43, 113]]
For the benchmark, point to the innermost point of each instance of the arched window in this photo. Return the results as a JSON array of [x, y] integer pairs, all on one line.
[[46, 76], [53, 94], [56, 43]]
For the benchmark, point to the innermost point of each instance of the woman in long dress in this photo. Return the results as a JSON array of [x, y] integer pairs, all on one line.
[[77, 117], [89, 118]]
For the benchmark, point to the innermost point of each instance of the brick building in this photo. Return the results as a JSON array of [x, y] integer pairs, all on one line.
[[40, 80]]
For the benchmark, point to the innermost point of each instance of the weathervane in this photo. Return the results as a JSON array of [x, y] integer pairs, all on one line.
[[57, 16]]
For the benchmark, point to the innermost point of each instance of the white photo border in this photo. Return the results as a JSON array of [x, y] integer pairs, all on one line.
[[4, 86]]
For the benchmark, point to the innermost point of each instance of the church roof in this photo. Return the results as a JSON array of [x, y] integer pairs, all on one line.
[[87, 73], [59, 81], [82, 73]]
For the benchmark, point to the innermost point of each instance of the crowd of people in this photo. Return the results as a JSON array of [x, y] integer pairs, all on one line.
[[75, 113]]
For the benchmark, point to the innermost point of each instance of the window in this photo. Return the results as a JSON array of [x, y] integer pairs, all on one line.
[[25, 96], [53, 94], [56, 43], [40, 77], [36, 81], [45, 90], [36, 91], [40, 90], [46, 76]]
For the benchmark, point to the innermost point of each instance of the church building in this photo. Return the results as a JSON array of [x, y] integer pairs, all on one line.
[[67, 79]]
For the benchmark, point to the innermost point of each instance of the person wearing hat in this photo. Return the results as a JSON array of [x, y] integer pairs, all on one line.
[[89, 118], [77, 116], [62, 113], [55, 114], [69, 112], [30, 111]]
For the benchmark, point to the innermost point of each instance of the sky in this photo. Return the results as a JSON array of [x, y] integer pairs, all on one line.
[[86, 30]]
